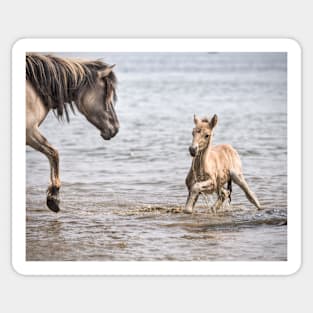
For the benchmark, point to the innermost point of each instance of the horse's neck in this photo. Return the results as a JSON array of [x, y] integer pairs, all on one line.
[[203, 156], [199, 165]]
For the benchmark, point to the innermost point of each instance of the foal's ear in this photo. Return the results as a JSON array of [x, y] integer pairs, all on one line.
[[213, 121], [106, 71], [196, 119]]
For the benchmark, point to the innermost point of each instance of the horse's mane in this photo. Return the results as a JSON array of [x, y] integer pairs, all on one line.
[[60, 81], [206, 119]]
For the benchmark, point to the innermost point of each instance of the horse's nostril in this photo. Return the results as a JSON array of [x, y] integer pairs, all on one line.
[[114, 132]]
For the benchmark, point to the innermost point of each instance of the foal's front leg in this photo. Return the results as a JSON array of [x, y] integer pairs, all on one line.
[[194, 192], [222, 195], [37, 141]]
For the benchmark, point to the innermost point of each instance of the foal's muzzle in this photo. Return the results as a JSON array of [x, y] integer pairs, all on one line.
[[193, 151]]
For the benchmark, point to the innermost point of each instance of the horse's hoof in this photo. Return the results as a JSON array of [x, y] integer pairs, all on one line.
[[53, 204], [258, 206], [187, 210]]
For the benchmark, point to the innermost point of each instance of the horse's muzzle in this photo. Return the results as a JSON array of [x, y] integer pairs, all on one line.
[[193, 151], [109, 133]]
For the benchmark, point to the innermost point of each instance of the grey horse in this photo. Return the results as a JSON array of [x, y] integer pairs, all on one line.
[[60, 84]]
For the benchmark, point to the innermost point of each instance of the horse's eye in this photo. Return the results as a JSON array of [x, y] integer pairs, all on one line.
[[207, 136]]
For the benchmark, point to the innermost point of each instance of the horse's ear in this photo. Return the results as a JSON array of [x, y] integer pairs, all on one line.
[[213, 121], [106, 71], [196, 119]]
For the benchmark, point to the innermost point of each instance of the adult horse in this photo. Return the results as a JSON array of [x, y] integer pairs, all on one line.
[[60, 84]]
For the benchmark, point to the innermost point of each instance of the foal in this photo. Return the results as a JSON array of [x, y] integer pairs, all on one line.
[[212, 167]]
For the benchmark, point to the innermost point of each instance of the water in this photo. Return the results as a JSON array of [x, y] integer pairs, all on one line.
[[121, 199]]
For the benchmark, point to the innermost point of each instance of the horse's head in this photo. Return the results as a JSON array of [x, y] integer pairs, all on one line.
[[97, 103], [202, 134]]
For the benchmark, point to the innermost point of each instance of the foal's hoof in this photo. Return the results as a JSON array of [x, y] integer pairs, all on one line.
[[212, 209], [187, 210], [53, 203]]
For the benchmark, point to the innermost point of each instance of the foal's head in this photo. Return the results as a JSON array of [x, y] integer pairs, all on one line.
[[202, 134], [97, 103]]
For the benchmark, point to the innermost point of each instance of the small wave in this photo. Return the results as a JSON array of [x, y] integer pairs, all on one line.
[[232, 224], [149, 209]]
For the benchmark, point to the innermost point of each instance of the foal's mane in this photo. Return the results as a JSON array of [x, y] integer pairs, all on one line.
[[59, 81]]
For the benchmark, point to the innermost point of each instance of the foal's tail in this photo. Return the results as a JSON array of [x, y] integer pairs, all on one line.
[[241, 182], [229, 188]]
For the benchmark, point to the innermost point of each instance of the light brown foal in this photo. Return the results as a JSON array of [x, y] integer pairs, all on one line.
[[212, 167]]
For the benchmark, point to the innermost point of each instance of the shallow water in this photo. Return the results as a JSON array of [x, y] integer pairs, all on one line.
[[122, 199]]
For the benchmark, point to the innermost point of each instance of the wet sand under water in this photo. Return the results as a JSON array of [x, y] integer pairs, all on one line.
[[152, 232]]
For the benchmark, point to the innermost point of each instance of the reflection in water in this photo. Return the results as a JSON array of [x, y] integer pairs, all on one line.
[[54, 227], [122, 199]]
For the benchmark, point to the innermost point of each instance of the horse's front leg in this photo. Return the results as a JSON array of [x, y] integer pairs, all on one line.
[[37, 141], [194, 193], [222, 195], [191, 201]]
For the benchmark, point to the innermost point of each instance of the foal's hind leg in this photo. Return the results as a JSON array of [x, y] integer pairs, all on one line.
[[241, 182], [37, 141], [222, 195]]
